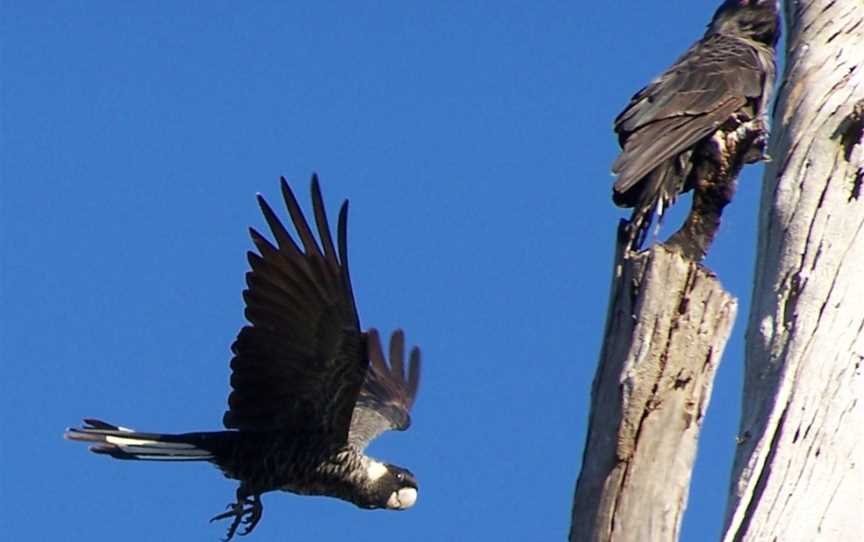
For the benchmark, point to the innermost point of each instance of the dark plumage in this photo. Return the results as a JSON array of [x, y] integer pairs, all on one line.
[[726, 75], [310, 390]]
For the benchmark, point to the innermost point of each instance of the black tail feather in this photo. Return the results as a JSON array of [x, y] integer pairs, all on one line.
[[123, 443]]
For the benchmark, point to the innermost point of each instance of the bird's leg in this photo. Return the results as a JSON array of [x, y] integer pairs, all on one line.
[[251, 508], [722, 158]]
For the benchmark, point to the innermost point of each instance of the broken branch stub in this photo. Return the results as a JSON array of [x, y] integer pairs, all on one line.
[[668, 322]]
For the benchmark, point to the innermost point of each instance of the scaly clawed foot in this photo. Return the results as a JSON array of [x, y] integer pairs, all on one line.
[[246, 511]]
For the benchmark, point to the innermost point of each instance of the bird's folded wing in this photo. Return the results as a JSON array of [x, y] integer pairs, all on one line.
[[712, 80]]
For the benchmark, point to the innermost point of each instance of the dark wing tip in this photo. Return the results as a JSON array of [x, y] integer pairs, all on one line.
[[261, 201], [288, 194], [310, 246], [315, 188], [260, 241], [397, 355], [342, 241], [342, 233], [322, 223], [414, 365], [390, 370], [376, 352], [407, 384], [283, 238]]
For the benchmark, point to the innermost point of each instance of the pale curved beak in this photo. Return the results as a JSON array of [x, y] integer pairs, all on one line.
[[402, 499]]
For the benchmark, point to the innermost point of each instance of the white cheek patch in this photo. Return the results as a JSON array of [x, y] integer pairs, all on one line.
[[376, 470], [402, 499]]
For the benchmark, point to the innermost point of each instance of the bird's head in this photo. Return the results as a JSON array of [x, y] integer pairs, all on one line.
[[390, 487], [758, 20]]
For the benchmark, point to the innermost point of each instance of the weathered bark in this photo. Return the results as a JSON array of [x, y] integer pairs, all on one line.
[[799, 467], [668, 321]]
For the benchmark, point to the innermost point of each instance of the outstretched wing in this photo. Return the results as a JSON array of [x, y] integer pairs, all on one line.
[[712, 80], [388, 393], [300, 364]]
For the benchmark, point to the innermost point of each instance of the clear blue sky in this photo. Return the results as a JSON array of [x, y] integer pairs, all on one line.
[[473, 141]]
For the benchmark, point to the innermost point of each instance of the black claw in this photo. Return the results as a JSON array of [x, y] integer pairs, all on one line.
[[247, 511], [224, 515]]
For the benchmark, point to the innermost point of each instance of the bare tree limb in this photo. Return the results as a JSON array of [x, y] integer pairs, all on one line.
[[668, 322]]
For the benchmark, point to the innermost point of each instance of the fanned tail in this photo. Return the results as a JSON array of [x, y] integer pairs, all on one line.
[[123, 443]]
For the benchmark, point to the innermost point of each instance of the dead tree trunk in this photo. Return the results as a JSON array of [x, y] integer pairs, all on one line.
[[668, 321], [799, 467], [667, 325]]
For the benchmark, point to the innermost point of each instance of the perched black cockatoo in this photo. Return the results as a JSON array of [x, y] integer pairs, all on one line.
[[728, 74]]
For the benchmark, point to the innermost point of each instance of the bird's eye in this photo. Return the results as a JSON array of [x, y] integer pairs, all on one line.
[[400, 477]]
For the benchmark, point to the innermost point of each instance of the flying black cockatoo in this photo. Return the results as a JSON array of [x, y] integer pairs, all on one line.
[[310, 389], [721, 82]]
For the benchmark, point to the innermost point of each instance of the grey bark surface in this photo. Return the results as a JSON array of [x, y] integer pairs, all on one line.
[[668, 322], [799, 466]]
